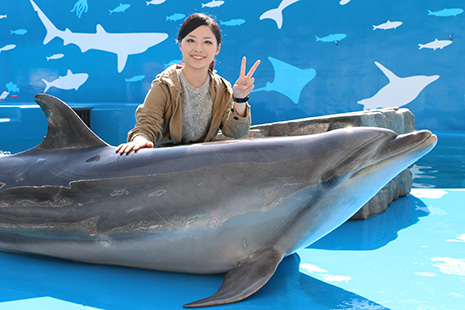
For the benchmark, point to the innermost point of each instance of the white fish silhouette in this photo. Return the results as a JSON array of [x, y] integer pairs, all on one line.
[[344, 2], [69, 81], [388, 25], [435, 44], [3, 16], [55, 56], [122, 44], [399, 91], [155, 2], [213, 4], [7, 47], [277, 14]]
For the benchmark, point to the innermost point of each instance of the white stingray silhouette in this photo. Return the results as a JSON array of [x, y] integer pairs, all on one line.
[[399, 91], [122, 44], [277, 14]]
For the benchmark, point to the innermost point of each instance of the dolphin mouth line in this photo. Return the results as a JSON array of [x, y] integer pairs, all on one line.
[[427, 141]]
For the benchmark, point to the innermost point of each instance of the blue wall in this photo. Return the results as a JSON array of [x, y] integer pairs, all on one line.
[[324, 57]]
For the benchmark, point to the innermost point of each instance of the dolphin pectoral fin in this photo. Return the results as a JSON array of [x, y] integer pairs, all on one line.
[[245, 280]]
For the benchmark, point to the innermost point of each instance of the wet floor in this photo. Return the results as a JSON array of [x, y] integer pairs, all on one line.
[[410, 257]]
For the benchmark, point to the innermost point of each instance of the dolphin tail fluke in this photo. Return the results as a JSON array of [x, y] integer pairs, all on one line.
[[65, 128], [274, 14], [245, 280]]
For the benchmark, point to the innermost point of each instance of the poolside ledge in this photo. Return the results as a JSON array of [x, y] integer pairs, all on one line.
[[399, 120]]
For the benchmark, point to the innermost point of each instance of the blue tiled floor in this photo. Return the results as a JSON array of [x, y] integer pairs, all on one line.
[[410, 257]]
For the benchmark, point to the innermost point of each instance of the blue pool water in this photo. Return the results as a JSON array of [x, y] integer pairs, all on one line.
[[444, 166], [410, 257]]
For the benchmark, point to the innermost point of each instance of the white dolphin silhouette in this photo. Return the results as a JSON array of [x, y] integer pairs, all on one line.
[[399, 91], [277, 14], [122, 44]]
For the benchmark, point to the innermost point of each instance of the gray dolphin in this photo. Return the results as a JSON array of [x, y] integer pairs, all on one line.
[[238, 206]]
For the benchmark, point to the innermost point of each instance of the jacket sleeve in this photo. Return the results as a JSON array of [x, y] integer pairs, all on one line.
[[150, 114], [234, 125]]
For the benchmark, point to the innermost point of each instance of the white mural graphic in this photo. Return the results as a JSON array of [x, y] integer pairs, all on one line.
[[55, 56], [4, 95], [288, 80], [344, 2], [277, 14], [213, 4], [435, 44], [7, 47], [3, 16], [155, 2], [67, 82], [387, 25], [399, 91], [122, 44]]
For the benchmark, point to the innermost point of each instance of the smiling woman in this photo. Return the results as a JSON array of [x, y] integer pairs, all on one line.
[[189, 103]]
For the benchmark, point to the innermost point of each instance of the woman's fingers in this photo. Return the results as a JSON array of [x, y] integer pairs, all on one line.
[[128, 148], [252, 70], [243, 63]]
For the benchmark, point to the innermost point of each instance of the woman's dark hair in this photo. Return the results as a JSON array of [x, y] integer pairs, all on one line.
[[196, 20]]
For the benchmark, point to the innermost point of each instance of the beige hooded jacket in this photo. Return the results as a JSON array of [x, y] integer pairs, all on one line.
[[159, 118]]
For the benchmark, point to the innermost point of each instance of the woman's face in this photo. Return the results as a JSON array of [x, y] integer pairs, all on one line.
[[199, 48]]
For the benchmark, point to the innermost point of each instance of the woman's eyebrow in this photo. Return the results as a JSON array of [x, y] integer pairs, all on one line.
[[195, 37]]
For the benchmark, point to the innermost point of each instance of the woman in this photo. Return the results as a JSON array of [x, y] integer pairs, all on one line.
[[188, 103]]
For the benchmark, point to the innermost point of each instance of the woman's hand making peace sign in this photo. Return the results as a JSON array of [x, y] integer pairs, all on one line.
[[244, 84]]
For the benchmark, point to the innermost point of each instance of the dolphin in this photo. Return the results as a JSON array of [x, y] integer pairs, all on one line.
[[236, 207], [122, 44]]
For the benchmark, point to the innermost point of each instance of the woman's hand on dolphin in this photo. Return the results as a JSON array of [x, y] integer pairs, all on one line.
[[244, 84], [138, 143]]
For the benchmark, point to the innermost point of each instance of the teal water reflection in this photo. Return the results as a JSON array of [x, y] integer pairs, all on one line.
[[444, 166]]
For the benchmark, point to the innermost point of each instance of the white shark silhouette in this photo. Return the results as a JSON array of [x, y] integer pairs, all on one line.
[[277, 14], [122, 44], [399, 91], [69, 81]]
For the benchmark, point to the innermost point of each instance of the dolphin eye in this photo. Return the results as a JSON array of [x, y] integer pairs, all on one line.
[[329, 182]]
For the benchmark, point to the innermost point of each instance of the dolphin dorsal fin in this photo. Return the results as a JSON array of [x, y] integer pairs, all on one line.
[[65, 128]]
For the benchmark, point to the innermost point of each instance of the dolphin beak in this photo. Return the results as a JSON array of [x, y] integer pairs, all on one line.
[[422, 141]]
